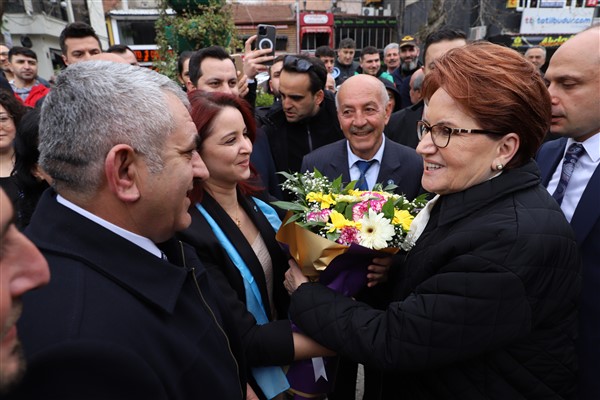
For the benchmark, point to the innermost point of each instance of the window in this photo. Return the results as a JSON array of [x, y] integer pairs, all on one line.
[[136, 32]]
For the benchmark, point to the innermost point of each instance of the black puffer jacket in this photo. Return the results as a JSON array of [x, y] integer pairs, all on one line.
[[485, 303]]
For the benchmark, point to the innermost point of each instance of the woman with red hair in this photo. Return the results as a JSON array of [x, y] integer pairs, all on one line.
[[233, 231], [484, 305]]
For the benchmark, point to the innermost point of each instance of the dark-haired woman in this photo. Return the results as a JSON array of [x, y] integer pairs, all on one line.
[[11, 112]]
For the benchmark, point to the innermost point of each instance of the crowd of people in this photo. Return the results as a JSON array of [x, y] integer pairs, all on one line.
[[138, 251]]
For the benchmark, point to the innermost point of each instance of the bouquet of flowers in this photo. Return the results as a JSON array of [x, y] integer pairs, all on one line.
[[334, 232], [339, 217]]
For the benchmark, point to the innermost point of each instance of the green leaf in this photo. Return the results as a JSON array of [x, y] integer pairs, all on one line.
[[336, 185], [293, 218], [287, 205], [388, 209]]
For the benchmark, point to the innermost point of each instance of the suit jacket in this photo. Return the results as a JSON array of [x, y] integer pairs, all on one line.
[[402, 126], [117, 322], [586, 224], [269, 344], [400, 166]]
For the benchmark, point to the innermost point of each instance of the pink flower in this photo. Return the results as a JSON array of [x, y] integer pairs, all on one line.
[[359, 209], [348, 235], [377, 205], [318, 216]]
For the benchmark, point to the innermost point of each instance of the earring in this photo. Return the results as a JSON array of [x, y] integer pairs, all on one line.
[[499, 167]]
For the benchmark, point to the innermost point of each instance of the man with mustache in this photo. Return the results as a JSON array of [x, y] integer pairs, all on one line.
[[22, 268]]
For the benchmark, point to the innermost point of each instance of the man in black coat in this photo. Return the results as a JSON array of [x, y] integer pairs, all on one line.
[[130, 312], [306, 118]]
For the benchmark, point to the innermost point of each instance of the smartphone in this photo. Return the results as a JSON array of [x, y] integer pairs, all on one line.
[[266, 38], [239, 62]]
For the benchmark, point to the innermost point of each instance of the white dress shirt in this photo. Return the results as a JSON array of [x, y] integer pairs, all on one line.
[[584, 169], [134, 238], [373, 171]]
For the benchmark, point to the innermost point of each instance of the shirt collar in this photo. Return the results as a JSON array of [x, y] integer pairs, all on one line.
[[591, 146], [353, 158], [134, 238]]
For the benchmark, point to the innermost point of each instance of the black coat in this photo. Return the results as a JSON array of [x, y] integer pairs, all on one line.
[[264, 345], [269, 344], [117, 322], [402, 126], [485, 303]]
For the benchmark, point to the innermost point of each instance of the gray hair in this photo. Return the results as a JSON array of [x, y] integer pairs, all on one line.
[[418, 82], [390, 47], [537, 47], [384, 97], [95, 106]]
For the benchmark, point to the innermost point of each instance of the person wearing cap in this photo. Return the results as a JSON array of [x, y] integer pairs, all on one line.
[[409, 63]]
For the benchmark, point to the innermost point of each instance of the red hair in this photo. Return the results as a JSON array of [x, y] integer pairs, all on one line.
[[499, 89], [205, 108]]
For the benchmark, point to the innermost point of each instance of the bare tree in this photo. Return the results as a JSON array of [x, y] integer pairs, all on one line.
[[436, 18]]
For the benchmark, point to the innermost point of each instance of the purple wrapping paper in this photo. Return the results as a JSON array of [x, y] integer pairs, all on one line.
[[346, 274]]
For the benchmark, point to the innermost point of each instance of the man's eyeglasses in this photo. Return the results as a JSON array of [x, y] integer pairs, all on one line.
[[299, 64], [440, 134]]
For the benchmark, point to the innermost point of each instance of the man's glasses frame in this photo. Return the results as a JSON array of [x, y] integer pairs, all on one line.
[[440, 134]]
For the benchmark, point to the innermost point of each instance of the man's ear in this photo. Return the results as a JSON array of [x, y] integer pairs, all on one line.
[[121, 168], [319, 96], [190, 86]]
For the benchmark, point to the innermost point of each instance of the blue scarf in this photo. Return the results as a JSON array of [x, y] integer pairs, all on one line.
[[271, 380]]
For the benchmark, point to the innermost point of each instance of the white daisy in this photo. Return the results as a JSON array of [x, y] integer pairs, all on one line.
[[375, 230]]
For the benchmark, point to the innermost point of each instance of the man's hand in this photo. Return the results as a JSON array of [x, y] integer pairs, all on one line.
[[250, 395], [254, 59], [378, 271], [293, 277], [242, 85]]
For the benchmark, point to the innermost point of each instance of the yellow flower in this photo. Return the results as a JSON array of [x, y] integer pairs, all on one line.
[[338, 221], [326, 200], [403, 218]]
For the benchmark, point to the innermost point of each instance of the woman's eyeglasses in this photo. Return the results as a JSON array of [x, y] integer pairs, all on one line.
[[440, 134], [299, 64]]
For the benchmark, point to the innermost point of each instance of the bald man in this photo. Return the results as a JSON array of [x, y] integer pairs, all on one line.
[[574, 85]]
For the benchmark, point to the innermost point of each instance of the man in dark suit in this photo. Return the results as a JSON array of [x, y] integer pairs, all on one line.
[[129, 312], [574, 84], [364, 108], [363, 113]]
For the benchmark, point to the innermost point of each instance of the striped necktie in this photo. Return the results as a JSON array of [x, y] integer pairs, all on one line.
[[574, 151]]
